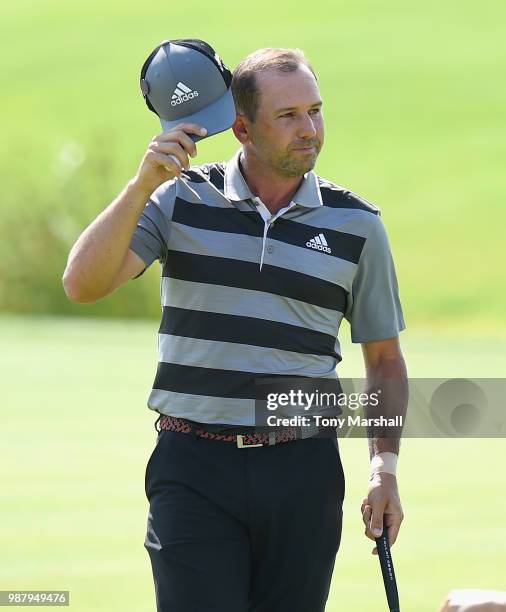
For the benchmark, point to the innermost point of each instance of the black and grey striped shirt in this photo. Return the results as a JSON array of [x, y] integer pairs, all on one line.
[[246, 294]]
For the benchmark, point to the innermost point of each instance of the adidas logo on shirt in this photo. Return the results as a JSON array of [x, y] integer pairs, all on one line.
[[182, 93], [319, 244]]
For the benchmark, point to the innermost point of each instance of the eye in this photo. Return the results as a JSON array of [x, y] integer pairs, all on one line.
[[315, 111], [287, 115]]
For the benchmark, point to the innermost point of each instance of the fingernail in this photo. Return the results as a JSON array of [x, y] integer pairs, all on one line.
[[203, 130], [377, 532]]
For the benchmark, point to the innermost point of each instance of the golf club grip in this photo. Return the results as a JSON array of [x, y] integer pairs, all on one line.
[[387, 569]]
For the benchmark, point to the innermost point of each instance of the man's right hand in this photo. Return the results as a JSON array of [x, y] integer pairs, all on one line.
[[167, 156]]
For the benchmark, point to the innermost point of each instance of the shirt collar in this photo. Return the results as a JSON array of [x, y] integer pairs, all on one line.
[[236, 188]]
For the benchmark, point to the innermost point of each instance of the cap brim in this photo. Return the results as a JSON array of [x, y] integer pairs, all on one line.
[[216, 117]]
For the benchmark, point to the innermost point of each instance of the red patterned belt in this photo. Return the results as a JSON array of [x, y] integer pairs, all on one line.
[[242, 440]]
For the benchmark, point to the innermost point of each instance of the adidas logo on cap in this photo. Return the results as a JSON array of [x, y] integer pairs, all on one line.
[[182, 93], [318, 243]]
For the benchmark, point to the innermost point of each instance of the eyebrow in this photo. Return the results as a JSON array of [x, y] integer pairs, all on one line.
[[291, 108]]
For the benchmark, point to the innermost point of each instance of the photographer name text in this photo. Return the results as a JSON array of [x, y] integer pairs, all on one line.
[[340, 422]]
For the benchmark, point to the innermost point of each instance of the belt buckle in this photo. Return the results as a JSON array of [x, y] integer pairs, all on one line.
[[240, 442]]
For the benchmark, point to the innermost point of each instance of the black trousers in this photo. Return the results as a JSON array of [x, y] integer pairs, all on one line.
[[243, 529]]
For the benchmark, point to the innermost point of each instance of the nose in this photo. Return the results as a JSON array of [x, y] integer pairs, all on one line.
[[306, 127]]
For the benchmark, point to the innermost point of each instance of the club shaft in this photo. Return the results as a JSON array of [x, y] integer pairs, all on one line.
[[387, 569]]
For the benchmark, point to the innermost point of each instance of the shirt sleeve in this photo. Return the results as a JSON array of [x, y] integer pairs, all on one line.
[[374, 309], [151, 236]]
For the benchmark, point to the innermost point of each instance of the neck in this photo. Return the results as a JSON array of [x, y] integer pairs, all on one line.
[[274, 190]]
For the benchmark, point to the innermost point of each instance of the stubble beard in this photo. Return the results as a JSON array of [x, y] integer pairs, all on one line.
[[289, 163], [292, 164]]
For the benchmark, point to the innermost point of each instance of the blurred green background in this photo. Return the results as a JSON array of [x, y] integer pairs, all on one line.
[[414, 100]]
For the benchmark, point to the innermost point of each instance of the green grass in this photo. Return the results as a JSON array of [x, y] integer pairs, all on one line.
[[76, 434], [414, 104]]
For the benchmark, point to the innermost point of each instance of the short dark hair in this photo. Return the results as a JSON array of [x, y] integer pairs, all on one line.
[[244, 83]]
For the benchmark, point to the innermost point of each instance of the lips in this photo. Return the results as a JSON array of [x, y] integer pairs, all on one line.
[[305, 148]]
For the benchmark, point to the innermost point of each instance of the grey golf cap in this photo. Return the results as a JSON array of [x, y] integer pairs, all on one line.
[[185, 81]]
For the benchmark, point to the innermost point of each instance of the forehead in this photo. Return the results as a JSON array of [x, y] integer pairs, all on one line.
[[287, 89]]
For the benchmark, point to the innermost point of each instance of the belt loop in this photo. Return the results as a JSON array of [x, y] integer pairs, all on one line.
[[193, 429], [310, 431]]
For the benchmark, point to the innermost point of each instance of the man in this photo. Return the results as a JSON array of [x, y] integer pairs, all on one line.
[[261, 261]]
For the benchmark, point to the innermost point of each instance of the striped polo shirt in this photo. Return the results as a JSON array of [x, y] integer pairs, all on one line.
[[247, 295]]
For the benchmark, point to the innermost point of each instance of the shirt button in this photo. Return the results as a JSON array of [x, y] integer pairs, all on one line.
[[270, 249]]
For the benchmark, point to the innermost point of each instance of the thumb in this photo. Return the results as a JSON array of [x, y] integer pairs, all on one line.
[[377, 520]]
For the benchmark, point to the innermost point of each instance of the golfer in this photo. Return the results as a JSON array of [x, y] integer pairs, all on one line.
[[261, 259]]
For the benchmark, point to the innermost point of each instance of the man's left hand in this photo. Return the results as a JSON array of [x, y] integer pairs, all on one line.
[[382, 506]]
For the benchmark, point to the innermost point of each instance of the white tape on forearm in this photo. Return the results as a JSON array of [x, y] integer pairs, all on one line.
[[384, 462]]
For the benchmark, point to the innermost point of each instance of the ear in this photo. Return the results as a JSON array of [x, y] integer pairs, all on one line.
[[240, 128]]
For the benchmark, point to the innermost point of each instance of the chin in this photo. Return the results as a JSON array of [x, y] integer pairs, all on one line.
[[308, 167], [298, 169]]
